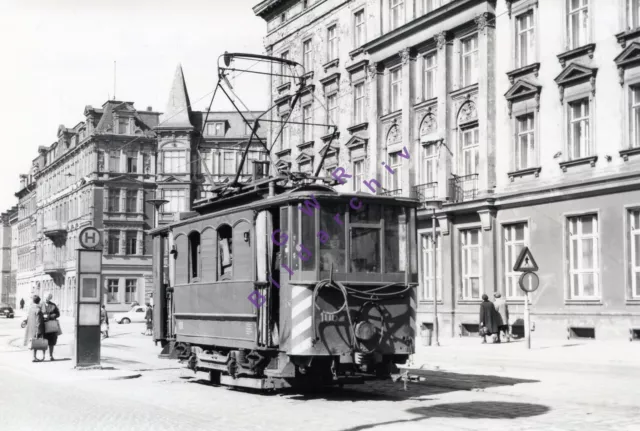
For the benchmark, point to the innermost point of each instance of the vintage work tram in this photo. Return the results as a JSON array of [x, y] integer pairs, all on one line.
[[345, 313], [340, 309]]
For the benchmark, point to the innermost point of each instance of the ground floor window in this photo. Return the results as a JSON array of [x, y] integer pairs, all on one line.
[[516, 237], [131, 288], [471, 246], [112, 291], [583, 257], [634, 242], [427, 264]]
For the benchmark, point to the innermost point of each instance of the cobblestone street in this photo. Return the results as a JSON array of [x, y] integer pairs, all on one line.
[[167, 397]]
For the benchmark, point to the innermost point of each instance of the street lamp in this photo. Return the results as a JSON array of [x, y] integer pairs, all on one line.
[[434, 204], [157, 203]]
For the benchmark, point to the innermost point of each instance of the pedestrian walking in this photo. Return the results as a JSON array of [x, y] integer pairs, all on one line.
[[104, 322], [503, 314], [51, 325], [34, 332], [488, 319], [148, 317], [22, 304]]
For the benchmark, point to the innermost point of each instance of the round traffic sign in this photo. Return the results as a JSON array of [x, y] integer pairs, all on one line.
[[90, 237], [529, 281]]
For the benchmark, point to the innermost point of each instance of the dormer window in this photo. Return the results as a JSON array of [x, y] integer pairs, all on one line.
[[215, 129], [123, 126]]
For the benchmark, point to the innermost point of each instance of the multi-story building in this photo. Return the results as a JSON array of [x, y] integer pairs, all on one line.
[[7, 293], [13, 222], [504, 127], [102, 173]]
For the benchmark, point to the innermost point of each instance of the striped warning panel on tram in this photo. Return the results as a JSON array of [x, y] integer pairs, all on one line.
[[301, 309], [413, 309]]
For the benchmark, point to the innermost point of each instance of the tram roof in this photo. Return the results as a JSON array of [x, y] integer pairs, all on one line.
[[259, 199]]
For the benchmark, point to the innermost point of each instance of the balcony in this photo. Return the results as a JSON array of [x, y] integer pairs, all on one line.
[[55, 229], [425, 192], [463, 188], [53, 267], [396, 192]]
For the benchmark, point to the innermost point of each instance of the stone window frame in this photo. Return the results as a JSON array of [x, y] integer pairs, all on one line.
[[459, 276], [628, 253], [628, 64], [590, 33], [506, 268], [566, 257], [356, 10], [521, 8]]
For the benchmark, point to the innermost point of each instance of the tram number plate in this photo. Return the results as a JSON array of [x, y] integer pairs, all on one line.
[[326, 317]]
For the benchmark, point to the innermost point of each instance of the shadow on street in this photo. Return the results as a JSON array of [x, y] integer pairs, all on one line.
[[468, 410]]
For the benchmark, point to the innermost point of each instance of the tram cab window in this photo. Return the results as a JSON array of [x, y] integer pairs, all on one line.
[[194, 256], [365, 235], [395, 237], [225, 253], [332, 252]]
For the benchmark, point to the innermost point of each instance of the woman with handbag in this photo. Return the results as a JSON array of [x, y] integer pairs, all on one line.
[[488, 319], [34, 332], [51, 324]]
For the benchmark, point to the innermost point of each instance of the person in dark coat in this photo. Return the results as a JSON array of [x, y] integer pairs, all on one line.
[[149, 319], [51, 313], [488, 319], [22, 304], [35, 323], [104, 322]]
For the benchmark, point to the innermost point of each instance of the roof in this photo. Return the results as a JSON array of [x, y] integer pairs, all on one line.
[[177, 114]]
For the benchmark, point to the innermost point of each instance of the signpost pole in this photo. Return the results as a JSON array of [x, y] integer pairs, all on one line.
[[527, 324]]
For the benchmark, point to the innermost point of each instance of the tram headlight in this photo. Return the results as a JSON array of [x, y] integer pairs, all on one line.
[[365, 331]]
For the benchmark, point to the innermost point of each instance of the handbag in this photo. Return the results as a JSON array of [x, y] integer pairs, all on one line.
[[483, 331], [104, 327], [39, 344], [51, 326]]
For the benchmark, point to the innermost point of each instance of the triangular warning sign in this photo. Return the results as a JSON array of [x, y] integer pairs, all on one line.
[[525, 261]]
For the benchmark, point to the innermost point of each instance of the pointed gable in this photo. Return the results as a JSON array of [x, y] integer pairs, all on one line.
[[629, 55], [304, 157], [356, 141], [522, 89], [574, 74], [105, 125], [178, 112]]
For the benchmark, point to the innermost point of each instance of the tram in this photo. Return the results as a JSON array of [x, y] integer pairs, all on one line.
[[285, 281]]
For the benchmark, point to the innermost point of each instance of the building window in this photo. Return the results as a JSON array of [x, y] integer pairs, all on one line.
[[429, 163], [525, 39], [113, 200], [395, 90], [307, 119], [332, 43], [579, 142], [583, 257], [215, 129], [469, 60], [358, 173], [131, 290], [358, 28], [132, 201], [427, 267], [634, 13], [516, 237], [430, 64], [114, 242], [634, 240], [525, 142], [131, 242], [578, 23], [284, 133], [306, 55], [470, 151], [397, 13], [123, 126], [229, 163], [284, 68], [358, 103], [635, 117], [112, 291], [132, 162], [174, 161], [471, 264], [114, 161], [394, 181], [176, 200], [332, 110], [431, 5]]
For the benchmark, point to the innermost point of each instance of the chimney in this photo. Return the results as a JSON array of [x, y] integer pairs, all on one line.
[[149, 108]]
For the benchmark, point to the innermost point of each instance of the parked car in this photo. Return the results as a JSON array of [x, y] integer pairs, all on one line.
[[6, 311], [136, 314]]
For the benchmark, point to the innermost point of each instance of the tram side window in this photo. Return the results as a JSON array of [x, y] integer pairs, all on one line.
[[395, 237], [332, 252], [194, 256], [225, 253]]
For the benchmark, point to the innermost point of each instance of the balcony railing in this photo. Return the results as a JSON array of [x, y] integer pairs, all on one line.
[[55, 228], [463, 188], [396, 192], [425, 192]]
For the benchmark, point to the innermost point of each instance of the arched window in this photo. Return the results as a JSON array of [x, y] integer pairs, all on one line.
[[225, 244], [469, 139], [194, 256]]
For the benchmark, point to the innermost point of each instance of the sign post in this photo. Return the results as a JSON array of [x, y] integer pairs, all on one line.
[[528, 282], [88, 299]]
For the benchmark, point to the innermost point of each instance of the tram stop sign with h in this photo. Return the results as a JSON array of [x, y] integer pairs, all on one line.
[[90, 238]]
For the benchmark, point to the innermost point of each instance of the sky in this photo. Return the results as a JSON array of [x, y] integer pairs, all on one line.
[[58, 56]]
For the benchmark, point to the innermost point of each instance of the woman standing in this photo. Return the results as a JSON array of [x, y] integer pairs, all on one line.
[[51, 324], [35, 323], [488, 319]]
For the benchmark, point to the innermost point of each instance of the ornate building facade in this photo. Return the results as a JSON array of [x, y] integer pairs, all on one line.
[[526, 141]]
